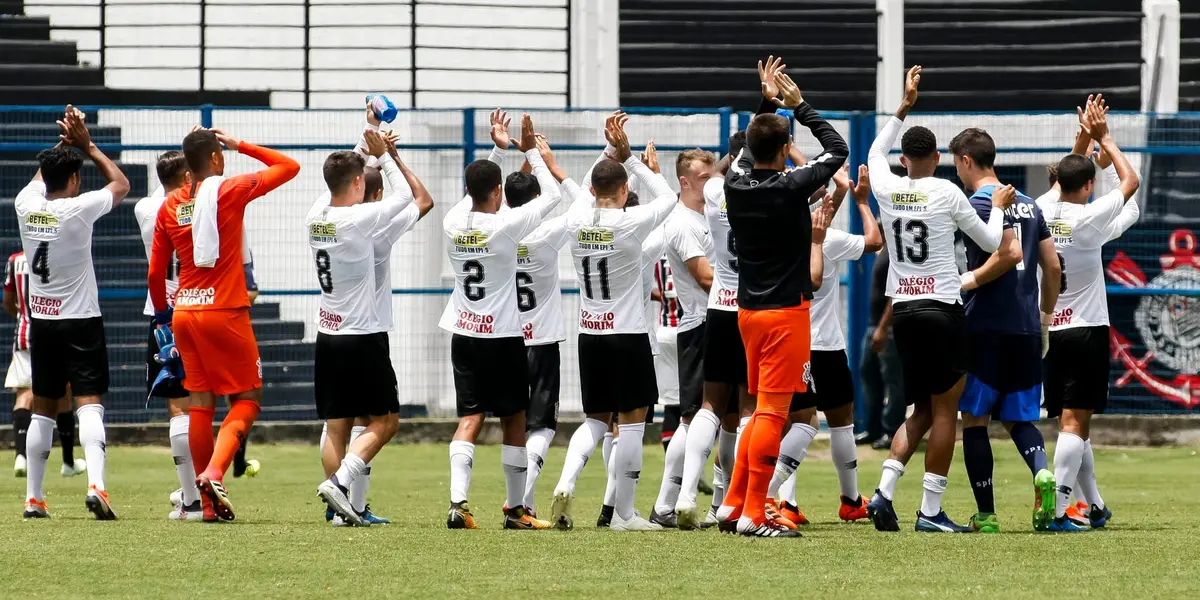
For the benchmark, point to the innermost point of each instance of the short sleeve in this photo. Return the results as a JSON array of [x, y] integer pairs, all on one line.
[[1097, 215], [683, 239], [401, 224], [35, 189], [93, 205], [841, 246], [714, 192]]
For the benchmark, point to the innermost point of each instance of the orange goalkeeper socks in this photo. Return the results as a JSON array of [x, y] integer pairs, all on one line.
[[763, 454], [200, 436], [233, 431]]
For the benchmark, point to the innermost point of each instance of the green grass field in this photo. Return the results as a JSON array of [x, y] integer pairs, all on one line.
[[281, 547]]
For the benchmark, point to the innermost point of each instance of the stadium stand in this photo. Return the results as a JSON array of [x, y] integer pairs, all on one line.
[[1189, 56]]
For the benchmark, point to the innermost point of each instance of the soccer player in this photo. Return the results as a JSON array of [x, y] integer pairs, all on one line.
[[772, 229], [173, 174], [1005, 323], [202, 226], [491, 374], [20, 381], [920, 214], [831, 389], [352, 342], [66, 333], [1076, 366]]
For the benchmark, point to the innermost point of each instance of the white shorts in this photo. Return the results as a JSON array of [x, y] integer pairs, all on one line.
[[19, 374], [666, 367]]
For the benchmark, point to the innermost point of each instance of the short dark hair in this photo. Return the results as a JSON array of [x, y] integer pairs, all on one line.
[[171, 167], [1052, 173], [1074, 172], [767, 135], [520, 188], [608, 176], [58, 164], [683, 162], [977, 144], [341, 168], [918, 142], [737, 141], [372, 182], [199, 147], [483, 176], [632, 199]]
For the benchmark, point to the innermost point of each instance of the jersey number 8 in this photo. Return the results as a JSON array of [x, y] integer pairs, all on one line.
[[324, 275]]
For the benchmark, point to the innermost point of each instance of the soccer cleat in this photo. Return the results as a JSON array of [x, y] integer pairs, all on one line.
[[939, 523], [667, 521], [793, 513], [176, 497], [1044, 488], [373, 519], [605, 518], [851, 510], [20, 466], [636, 523], [703, 487], [1099, 517], [215, 491], [1064, 524], [560, 510], [768, 529], [710, 519], [774, 515], [460, 517], [519, 518], [79, 468], [985, 523], [335, 497], [97, 503], [36, 509], [1078, 513], [687, 518], [192, 512], [882, 514]]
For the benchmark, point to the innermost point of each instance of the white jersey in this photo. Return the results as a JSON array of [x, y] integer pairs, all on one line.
[[652, 253], [57, 238], [607, 250], [387, 237], [1079, 232], [483, 255], [146, 214], [686, 236], [825, 310], [919, 218], [723, 294], [539, 297]]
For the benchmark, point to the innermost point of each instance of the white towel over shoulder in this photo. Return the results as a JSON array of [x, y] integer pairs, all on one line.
[[206, 240]]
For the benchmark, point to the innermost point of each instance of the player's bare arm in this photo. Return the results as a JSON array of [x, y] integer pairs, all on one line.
[[861, 191], [1094, 121], [1008, 256], [10, 302], [650, 157], [822, 218], [548, 157], [1051, 285], [912, 80], [421, 196], [76, 134]]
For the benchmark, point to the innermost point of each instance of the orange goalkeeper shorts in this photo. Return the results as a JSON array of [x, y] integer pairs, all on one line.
[[219, 352], [778, 346]]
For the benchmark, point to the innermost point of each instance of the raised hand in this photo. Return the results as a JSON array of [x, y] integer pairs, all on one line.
[[650, 157], [1004, 197], [614, 132], [528, 140], [500, 122], [767, 74], [911, 81], [789, 90], [822, 218], [862, 189], [226, 140], [841, 179], [375, 145], [371, 118], [1093, 118], [74, 130]]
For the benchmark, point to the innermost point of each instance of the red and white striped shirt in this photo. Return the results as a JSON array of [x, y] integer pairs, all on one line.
[[16, 282], [671, 311]]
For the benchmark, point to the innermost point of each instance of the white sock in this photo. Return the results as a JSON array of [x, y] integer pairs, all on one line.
[[1086, 482], [606, 448], [702, 432], [183, 459], [627, 464], [718, 483], [931, 499], [516, 464], [462, 458], [727, 451], [352, 468], [668, 491], [610, 472], [92, 439], [38, 441], [792, 451], [579, 450], [787, 491], [845, 459], [537, 443], [892, 470], [1068, 458], [737, 441], [358, 491], [324, 436]]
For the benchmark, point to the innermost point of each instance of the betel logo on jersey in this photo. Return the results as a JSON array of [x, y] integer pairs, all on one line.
[[523, 255], [910, 201], [1062, 233], [595, 239], [1169, 328], [41, 223], [471, 242], [184, 213], [322, 232]]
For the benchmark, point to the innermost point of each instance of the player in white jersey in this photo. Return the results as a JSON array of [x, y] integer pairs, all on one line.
[[1076, 367], [832, 388], [66, 332], [920, 213], [487, 348], [352, 344]]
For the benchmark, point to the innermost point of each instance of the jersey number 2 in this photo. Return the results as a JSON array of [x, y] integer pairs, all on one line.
[[602, 266], [471, 287], [920, 234], [324, 274], [41, 263]]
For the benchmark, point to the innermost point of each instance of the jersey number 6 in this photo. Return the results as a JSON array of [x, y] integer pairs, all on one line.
[[526, 300]]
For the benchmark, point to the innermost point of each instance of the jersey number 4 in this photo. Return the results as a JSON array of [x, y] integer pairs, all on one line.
[[41, 264], [602, 267], [919, 251]]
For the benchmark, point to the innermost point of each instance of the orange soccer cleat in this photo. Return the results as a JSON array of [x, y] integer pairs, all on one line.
[[521, 518], [1078, 513], [793, 513], [36, 509], [216, 495], [851, 511], [97, 503], [773, 514]]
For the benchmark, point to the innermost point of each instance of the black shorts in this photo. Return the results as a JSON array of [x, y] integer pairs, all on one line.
[[544, 381], [491, 375], [830, 383], [616, 372], [724, 352], [690, 362], [931, 338], [1075, 371], [353, 376], [68, 351], [174, 389]]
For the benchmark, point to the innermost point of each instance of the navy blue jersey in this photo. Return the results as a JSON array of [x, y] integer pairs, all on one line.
[[1010, 303]]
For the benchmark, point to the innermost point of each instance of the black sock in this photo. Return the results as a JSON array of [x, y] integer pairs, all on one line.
[[239, 459], [1031, 445], [66, 436], [977, 454], [21, 419]]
